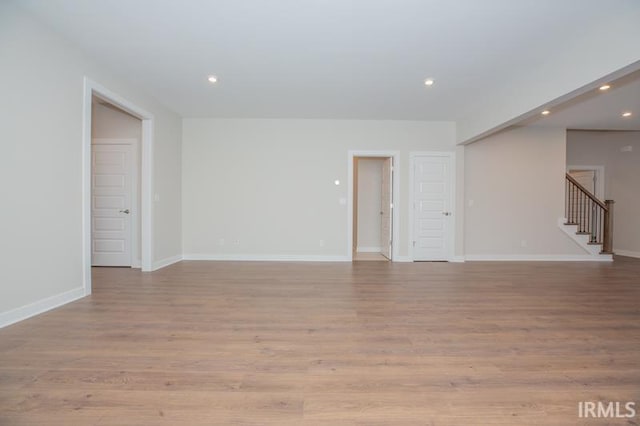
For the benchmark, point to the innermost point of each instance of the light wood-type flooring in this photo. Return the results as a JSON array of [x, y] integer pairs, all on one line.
[[368, 343], [375, 257]]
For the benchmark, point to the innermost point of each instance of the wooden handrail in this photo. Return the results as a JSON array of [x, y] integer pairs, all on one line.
[[587, 192], [592, 216]]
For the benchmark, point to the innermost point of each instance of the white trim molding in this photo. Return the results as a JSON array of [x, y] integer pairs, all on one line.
[[115, 141], [91, 88], [40, 306], [266, 257], [395, 246], [627, 253], [582, 240], [537, 258], [166, 262]]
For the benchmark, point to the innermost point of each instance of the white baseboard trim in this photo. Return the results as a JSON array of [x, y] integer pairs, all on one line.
[[368, 249], [627, 253], [166, 262], [407, 259], [455, 259], [266, 257], [403, 259], [537, 258], [36, 308]]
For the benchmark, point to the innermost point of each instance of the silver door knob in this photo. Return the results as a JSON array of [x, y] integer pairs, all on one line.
[[125, 211], [446, 213]]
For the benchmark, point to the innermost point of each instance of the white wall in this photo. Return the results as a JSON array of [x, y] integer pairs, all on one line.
[[594, 52], [41, 165], [109, 122], [369, 203], [514, 191], [622, 179], [269, 184]]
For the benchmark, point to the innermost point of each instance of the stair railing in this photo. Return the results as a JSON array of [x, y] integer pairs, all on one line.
[[592, 216]]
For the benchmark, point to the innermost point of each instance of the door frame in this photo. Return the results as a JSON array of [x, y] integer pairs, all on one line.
[[136, 262], [599, 170], [395, 197], [91, 88], [451, 237]]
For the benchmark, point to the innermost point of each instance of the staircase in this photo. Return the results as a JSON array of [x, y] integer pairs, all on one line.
[[588, 221]]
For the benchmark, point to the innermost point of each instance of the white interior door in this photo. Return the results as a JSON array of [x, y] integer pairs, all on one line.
[[386, 208], [111, 186], [433, 216]]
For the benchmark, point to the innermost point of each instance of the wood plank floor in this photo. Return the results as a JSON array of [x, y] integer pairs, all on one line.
[[368, 343], [373, 257]]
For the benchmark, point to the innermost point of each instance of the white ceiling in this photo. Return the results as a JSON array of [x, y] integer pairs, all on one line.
[[598, 110], [357, 59]]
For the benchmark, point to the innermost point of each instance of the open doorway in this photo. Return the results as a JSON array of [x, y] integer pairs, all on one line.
[[135, 160], [373, 224], [372, 200]]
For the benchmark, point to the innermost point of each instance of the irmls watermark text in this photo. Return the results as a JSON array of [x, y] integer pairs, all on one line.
[[610, 410]]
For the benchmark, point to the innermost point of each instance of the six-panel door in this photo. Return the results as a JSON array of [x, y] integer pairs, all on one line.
[[111, 186]]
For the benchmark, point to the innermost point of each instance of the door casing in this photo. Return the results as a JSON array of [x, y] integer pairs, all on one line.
[[91, 88], [386, 209], [351, 155]]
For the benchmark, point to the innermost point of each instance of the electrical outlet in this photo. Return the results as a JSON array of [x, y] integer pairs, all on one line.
[[321, 243], [236, 242]]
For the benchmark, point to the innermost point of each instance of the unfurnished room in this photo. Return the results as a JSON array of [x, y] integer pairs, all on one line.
[[319, 212]]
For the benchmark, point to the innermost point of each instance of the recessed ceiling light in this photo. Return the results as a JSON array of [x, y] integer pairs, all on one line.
[[545, 112], [429, 82], [605, 87], [626, 114], [212, 79]]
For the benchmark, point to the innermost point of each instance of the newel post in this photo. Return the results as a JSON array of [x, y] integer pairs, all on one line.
[[607, 244]]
